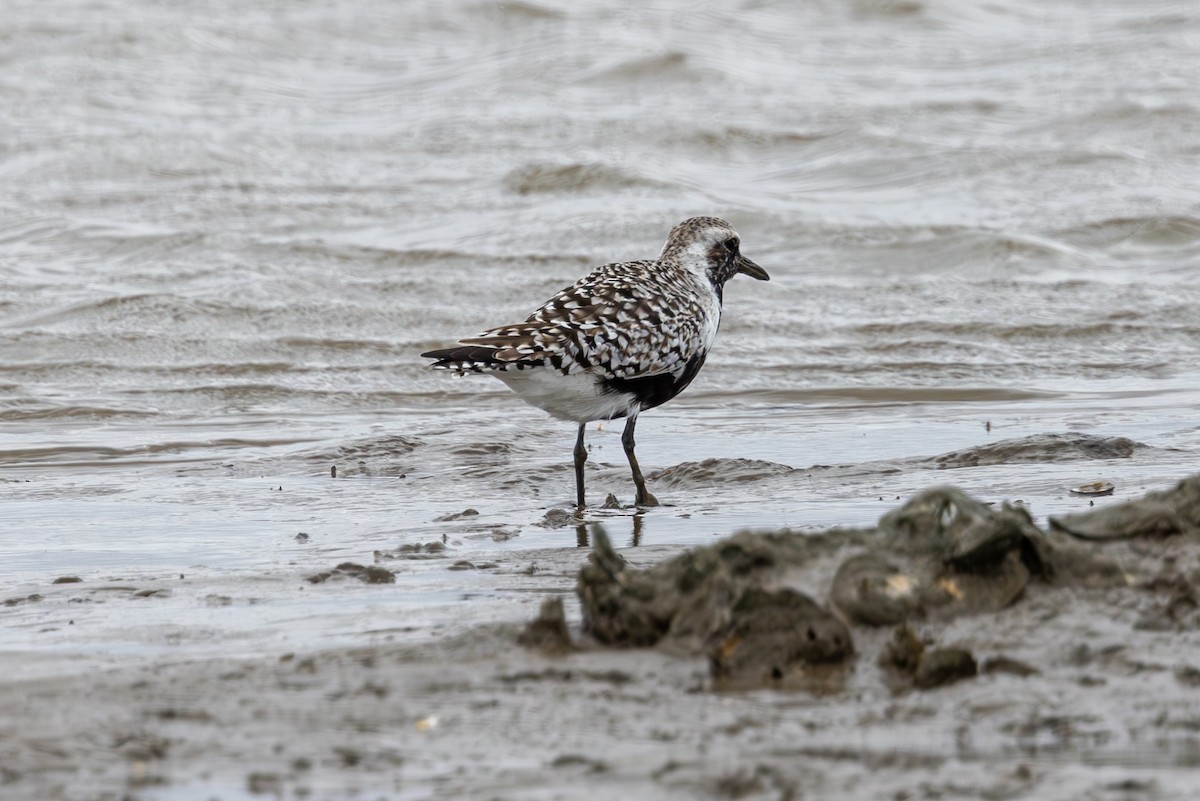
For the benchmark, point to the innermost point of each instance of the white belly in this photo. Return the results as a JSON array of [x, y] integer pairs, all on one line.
[[576, 397]]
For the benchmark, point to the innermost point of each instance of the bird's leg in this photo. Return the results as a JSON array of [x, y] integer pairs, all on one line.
[[580, 458], [644, 498]]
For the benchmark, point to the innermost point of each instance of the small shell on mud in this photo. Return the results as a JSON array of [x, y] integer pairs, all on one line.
[[1094, 488]]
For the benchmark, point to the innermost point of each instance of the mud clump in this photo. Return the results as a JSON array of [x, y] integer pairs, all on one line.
[[415, 550], [710, 471], [942, 554], [874, 590], [1040, 448], [27, 599], [548, 631], [371, 574], [715, 601], [261, 783], [943, 666], [965, 534], [911, 665], [777, 636], [685, 602], [465, 513], [747, 602], [558, 518], [1008, 666], [1179, 607], [1167, 513]]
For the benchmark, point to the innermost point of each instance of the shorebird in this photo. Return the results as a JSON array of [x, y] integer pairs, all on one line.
[[624, 338]]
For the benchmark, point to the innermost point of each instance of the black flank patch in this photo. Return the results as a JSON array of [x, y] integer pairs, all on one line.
[[654, 390]]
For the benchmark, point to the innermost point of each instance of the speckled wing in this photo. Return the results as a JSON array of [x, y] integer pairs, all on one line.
[[622, 321]]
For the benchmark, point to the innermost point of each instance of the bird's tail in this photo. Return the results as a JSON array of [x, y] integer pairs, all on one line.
[[473, 359]]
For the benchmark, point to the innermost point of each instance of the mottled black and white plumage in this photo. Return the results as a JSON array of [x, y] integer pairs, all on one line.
[[624, 338]]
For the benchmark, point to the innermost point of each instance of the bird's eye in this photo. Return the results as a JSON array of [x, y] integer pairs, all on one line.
[[731, 244]]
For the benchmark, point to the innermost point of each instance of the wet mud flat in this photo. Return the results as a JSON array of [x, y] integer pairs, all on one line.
[[955, 650]]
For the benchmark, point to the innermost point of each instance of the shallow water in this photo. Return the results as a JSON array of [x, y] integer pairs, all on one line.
[[227, 236], [226, 239]]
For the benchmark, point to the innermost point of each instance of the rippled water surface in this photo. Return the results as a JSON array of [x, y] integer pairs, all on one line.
[[229, 229], [228, 233]]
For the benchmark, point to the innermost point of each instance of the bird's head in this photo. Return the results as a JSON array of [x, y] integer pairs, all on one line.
[[709, 246]]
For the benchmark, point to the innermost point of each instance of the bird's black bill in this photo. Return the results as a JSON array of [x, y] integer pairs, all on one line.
[[747, 267]]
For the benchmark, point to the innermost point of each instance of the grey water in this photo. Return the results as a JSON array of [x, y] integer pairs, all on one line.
[[227, 232]]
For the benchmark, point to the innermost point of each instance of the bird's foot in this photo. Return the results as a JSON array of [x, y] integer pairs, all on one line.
[[644, 498]]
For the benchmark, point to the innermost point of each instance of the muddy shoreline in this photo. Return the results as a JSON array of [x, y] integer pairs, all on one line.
[[1084, 690]]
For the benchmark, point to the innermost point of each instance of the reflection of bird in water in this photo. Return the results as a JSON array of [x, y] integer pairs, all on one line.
[[624, 338], [583, 539]]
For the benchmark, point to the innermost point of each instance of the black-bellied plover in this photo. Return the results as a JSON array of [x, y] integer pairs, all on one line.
[[625, 338]]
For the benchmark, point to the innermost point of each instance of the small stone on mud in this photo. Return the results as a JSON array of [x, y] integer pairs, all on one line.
[[67, 580], [548, 631], [579, 761], [1188, 676], [611, 502], [942, 666], [172, 713], [1004, 664], [302, 537], [414, 550], [908, 658], [904, 651], [143, 747], [349, 756]]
